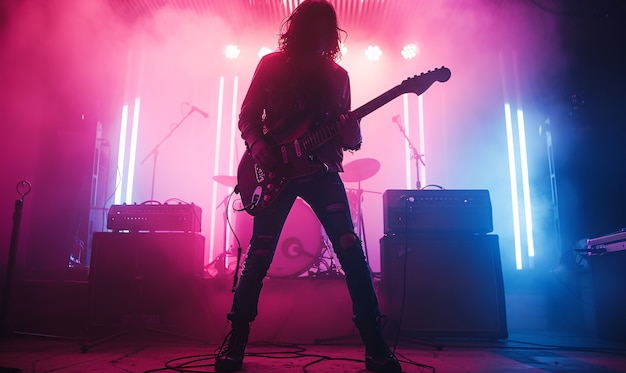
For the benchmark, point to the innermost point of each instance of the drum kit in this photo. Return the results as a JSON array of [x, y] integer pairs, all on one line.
[[303, 245]]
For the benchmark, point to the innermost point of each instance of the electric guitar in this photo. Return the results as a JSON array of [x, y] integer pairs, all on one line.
[[260, 188]]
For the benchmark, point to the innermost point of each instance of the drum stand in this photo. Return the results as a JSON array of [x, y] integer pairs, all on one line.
[[327, 256]]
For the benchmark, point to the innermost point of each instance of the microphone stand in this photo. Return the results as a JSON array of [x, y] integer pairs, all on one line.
[[155, 151], [414, 153]]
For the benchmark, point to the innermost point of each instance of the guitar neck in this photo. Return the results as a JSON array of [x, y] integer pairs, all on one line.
[[417, 84], [377, 102]]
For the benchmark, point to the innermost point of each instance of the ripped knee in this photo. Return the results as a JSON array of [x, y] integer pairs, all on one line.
[[261, 247], [262, 253], [336, 207], [348, 240]]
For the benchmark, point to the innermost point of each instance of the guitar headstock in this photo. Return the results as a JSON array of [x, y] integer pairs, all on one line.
[[418, 84]]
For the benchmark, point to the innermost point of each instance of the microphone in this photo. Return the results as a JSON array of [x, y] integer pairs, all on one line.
[[202, 112], [396, 119]]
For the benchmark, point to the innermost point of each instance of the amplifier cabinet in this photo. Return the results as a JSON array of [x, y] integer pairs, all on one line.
[[609, 286], [416, 212], [151, 277], [442, 287]]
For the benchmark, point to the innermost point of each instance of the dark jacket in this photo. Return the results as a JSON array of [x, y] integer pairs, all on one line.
[[283, 103]]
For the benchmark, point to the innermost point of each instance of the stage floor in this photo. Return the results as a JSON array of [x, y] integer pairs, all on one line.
[[150, 351], [304, 325]]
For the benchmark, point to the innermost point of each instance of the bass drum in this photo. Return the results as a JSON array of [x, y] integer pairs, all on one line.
[[300, 243]]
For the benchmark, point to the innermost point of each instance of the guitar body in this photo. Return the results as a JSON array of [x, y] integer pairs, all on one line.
[[260, 188]]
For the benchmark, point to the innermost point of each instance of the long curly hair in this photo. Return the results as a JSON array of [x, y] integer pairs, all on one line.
[[311, 28]]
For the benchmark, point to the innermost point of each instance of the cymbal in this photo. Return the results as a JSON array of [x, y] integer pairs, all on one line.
[[230, 181], [360, 169]]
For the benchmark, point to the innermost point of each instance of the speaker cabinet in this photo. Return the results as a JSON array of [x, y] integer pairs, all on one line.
[[609, 286], [60, 198], [442, 287], [150, 278]]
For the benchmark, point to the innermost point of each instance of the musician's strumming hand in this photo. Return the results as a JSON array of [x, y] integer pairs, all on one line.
[[350, 131], [263, 155]]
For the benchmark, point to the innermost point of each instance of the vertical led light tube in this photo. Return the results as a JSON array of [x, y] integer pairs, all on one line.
[[420, 169], [132, 154], [421, 150], [233, 128], [126, 173], [218, 136], [232, 156], [553, 185], [514, 193], [525, 183], [407, 150], [121, 152]]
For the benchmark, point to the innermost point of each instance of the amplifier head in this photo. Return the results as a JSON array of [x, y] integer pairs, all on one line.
[[155, 217], [437, 211]]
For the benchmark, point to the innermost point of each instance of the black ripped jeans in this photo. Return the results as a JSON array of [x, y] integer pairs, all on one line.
[[326, 194]]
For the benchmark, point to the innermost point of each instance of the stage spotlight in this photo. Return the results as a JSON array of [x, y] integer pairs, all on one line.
[[373, 52], [232, 52], [410, 51], [263, 51]]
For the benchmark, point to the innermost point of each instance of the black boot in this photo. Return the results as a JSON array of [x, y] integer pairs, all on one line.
[[230, 355], [378, 357]]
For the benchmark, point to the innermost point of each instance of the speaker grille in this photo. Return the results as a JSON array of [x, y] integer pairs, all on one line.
[[147, 278], [444, 287]]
